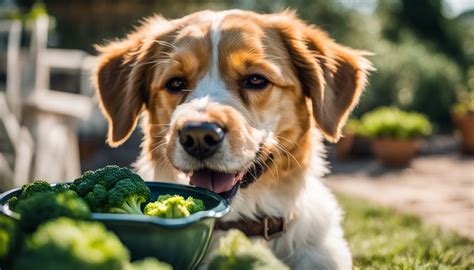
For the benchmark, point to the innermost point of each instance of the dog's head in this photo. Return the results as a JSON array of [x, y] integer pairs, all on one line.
[[228, 94]]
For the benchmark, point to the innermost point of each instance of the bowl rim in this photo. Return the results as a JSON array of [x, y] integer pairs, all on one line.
[[220, 210]]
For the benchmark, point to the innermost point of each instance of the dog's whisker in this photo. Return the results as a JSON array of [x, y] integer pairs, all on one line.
[[167, 61], [268, 166], [288, 161], [288, 140], [166, 44], [154, 148], [151, 124], [159, 136], [290, 155], [263, 164], [160, 133]]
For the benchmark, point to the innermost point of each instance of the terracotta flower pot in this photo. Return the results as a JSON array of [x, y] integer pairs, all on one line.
[[395, 152], [465, 125], [362, 146], [343, 148]]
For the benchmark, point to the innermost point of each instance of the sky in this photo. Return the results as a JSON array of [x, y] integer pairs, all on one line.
[[459, 6], [453, 7]]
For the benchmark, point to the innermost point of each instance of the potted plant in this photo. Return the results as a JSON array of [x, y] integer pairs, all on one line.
[[395, 134], [343, 148], [463, 118]]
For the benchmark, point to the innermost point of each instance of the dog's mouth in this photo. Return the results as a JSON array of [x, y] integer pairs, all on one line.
[[218, 182], [227, 184]]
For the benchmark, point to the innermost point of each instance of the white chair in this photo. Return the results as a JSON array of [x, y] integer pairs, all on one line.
[[12, 29], [16, 143], [16, 147], [52, 115]]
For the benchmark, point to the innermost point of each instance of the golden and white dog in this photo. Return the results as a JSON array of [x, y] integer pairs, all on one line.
[[237, 99]]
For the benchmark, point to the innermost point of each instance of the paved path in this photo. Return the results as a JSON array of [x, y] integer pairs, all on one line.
[[437, 188]]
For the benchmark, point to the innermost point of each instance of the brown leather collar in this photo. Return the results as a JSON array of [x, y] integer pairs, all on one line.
[[267, 227]]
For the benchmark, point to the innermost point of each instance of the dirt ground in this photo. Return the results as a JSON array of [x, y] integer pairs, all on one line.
[[438, 186]]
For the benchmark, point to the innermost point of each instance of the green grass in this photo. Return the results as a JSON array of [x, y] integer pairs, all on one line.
[[379, 238]]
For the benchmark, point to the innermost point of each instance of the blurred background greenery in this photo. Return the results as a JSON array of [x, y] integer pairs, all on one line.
[[423, 50]]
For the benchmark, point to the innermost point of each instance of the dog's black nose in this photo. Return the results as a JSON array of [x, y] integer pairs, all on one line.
[[201, 139]]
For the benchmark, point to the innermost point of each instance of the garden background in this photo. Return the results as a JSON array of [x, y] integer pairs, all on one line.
[[423, 52]]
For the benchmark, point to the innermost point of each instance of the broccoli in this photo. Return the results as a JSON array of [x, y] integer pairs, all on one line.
[[112, 190], [37, 186], [149, 264], [60, 187], [168, 206], [64, 243], [12, 202], [10, 236], [236, 251], [41, 207], [29, 190]]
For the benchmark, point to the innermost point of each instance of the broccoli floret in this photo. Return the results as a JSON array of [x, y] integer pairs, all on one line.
[[48, 205], [194, 205], [37, 186], [60, 187], [112, 189], [28, 190], [128, 195], [149, 264], [236, 251], [12, 202], [168, 206], [64, 243], [164, 197], [10, 237]]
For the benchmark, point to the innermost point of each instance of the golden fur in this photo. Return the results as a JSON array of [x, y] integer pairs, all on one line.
[[314, 82]]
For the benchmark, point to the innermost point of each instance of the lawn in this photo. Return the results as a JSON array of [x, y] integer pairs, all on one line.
[[382, 239]]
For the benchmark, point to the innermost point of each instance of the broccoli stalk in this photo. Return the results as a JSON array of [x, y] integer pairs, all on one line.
[[131, 205], [112, 190]]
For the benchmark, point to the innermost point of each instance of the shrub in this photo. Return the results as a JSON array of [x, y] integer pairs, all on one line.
[[352, 126], [394, 123], [465, 104]]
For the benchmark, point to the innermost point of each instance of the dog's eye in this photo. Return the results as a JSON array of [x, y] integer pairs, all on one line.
[[175, 85], [255, 81]]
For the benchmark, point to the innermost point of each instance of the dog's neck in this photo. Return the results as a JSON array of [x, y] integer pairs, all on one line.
[[276, 196]]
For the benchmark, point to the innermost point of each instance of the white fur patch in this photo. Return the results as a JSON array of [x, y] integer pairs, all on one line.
[[212, 91]]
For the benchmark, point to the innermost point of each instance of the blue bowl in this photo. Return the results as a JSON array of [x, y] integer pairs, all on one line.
[[181, 242]]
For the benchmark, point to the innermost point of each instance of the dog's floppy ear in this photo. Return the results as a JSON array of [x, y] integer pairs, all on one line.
[[121, 79], [331, 74]]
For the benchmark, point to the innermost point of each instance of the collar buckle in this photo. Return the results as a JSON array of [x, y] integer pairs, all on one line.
[[267, 235]]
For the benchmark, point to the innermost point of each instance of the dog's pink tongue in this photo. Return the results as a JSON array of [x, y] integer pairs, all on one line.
[[215, 181]]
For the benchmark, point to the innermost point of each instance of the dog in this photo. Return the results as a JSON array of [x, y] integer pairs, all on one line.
[[238, 103]]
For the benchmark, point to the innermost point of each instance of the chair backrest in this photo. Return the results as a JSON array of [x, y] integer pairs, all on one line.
[[13, 70], [16, 149], [38, 46]]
